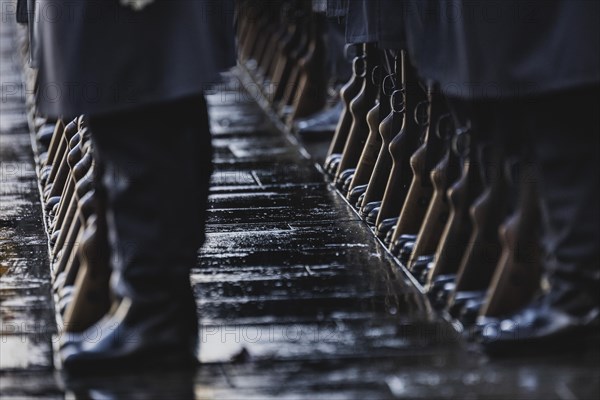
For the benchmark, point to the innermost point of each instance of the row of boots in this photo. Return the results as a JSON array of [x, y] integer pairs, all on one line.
[[107, 319], [114, 312], [451, 189], [286, 47]]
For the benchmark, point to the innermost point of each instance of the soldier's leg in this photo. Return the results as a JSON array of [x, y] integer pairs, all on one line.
[[564, 130], [157, 163], [567, 145]]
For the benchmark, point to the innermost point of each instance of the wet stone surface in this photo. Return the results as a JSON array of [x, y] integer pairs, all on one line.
[[296, 299], [26, 316]]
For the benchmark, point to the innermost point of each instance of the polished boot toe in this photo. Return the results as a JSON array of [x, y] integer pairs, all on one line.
[[440, 289], [51, 203], [355, 193], [384, 227], [536, 328], [400, 242], [134, 335], [343, 176], [44, 136], [470, 311], [388, 239], [346, 186], [45, 174], [332, 163], [422, 267], [321, 123], [460, 300], [406, 251], [360, 202], [366, 210]]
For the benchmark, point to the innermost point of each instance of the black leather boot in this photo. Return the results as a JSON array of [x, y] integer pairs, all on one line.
[[422, 267], [367, 209], [440, 289], [371, 218], [321, 124], [557, 319], [344, 178], [568, 307], [385, 226], [156, 329], [355, 194], [156, 168]]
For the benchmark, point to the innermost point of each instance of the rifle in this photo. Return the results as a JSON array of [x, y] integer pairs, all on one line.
[[283, 107], [388, 127], [253, 11], [274, 52], [348, 92], [65, 248], [284, 64], [518, 272], [422, 162], [359, 129], [90, 299], [367, 160], [58, 171], [461, 195], [59, 228], [483, 249], [51, 154], [443, 175], [74, 155], [311, 93], [401, 148], [268, 41]]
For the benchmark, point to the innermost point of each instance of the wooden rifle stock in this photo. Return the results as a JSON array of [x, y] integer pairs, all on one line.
[[368, 157], [388, 127], [359, 107], [517, 275], [283, 68], [458, 229], [348, 92], [403, 145], [371, 148], [291, 84], [487, 212], [436, 217], [422, 162], [272, 35], [312, 85], [271, 55], [253, 12], [91, 298]]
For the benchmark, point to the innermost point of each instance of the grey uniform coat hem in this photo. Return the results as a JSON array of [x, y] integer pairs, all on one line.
[[98, 57]]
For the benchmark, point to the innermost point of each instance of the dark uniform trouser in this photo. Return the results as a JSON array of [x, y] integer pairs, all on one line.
[[155, 169], [560, 133], [566, 144]]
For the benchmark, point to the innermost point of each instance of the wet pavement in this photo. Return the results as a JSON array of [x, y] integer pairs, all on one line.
[[296, 298]]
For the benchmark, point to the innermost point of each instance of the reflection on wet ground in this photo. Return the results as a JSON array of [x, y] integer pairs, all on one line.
[[26, 316], [296, 299]]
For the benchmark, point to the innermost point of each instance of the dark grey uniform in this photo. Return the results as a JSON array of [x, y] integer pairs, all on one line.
[[495, 49], [362, 21], [97, 56], [140, 76], [535, 65], [370, 21]]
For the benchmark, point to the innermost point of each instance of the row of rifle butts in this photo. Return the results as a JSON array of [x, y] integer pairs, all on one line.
[[458, 210], [65, 166], [79, 266]]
